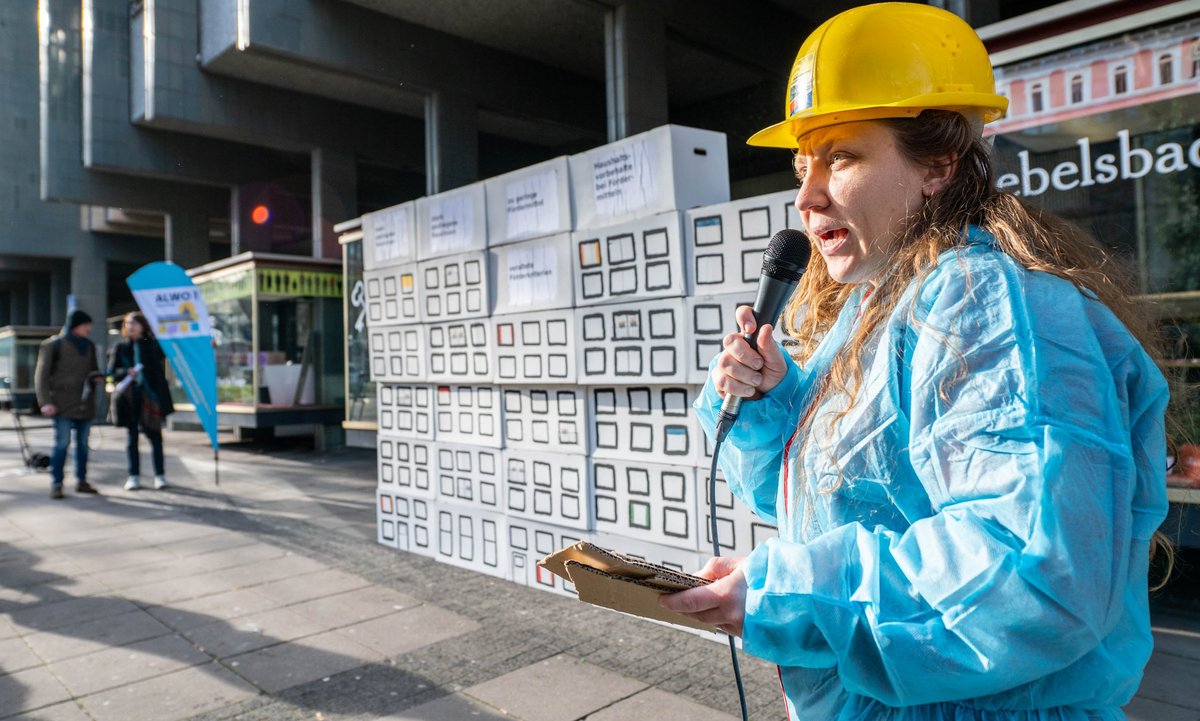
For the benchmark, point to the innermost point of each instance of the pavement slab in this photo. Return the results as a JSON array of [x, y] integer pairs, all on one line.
[[64, 610], [561, 688], [30, 689], [283, 666], [404, 631], [223, 639], [196, 612], [66, 711], [660, 706], [355, 606], [175, 696], [454, 707], [125, 665], [95, 635], [15, 655]]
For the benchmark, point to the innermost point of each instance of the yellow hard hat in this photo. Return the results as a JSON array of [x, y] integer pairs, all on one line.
[[889, 60]]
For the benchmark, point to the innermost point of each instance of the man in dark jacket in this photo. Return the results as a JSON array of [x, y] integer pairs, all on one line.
[[65, 381]]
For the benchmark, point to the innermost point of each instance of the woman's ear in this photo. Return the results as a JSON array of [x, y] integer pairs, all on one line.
[[938, 173]]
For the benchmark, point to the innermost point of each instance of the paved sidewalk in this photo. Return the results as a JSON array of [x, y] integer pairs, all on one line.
[[267, 598]]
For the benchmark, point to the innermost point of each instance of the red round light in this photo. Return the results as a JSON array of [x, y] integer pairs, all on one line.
[[260, 214]]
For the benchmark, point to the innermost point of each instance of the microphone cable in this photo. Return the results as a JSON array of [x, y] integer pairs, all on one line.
[[723, 427]]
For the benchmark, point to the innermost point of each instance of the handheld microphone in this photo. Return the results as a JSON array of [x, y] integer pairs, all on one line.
[[783, 262]]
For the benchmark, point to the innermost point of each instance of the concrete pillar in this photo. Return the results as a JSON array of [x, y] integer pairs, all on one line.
[[39, 300], [235, 220], [187, 238], [635, 54], [334, 197], [89, 285], [451, 142], [19, 312], [60, 287]]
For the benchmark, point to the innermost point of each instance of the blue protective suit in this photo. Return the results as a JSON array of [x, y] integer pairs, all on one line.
[[985, 554]]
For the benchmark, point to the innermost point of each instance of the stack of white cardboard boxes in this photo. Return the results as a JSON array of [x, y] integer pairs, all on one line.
[[538, 340]]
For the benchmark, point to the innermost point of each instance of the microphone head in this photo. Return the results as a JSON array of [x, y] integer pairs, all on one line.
[[787, 255]]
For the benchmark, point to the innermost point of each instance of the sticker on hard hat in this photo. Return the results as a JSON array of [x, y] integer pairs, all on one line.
[[800, 94]]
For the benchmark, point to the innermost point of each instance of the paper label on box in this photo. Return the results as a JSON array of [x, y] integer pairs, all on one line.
[[532, 275], [389, 231], [623, 179], [451, 224], [531, 205]]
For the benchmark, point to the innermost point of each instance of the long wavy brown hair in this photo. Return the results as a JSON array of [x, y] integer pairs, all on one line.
[[147, 331], [1036, 239]]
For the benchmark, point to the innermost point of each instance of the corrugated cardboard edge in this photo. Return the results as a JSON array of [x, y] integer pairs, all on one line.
[[620, 594], [604, 578]]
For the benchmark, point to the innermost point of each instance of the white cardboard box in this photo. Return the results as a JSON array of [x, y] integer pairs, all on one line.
[[470, 415], [392, 296], [546, 419], [452, 222], [455, 286], [404, 523], [648, 502], [650, 423], [633, 343], [670, 167], [397, 353], [532, 275], [633, 260], [389, 237], [414, 525], [549, 488], [385, 517], [726, 241], [530, 202], [459, 351], [739, 530], [472, 538], [530, 542], [710, 319], [469, 476], [405, 411], [406, 467], [536, 348]]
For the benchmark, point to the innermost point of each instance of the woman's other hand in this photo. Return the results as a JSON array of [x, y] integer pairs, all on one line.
[[747, 371], [721, 603]]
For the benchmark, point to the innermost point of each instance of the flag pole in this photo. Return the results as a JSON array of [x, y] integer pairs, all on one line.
[[216, 468]]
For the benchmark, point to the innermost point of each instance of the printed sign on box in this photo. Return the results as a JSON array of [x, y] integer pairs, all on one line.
[[667, 168], [632, 343], [739, 530], [452, 222], [726, 241], [548, 487], [469, 414], [530, 202], [637, 259], [391, 295], [644, 422], [532, 275], [454, 287], [535, 348], [388, 237], [530, 542], [472, 538], [459, 350], [406, 467], [647, 501], [405, 411], [397, 352], [546, 419], [469, 476]]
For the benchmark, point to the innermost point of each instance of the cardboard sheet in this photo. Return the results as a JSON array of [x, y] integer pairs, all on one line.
[[606, 578]]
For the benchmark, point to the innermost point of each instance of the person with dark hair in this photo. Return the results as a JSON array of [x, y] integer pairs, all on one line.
[[965, 452], [143, 399], [65, 379]]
